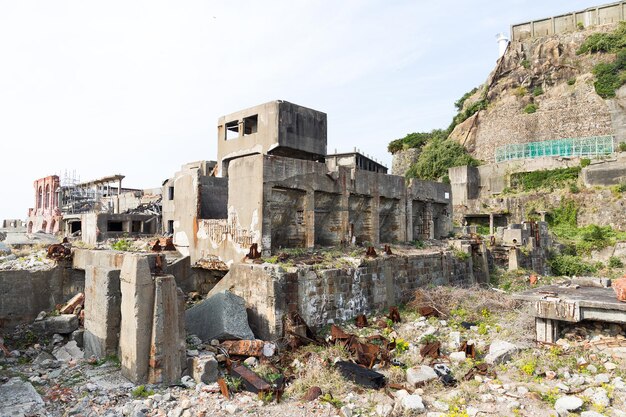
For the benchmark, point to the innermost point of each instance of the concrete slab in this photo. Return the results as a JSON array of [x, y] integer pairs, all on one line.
[[222, 316], [19, 398], [102, 311]]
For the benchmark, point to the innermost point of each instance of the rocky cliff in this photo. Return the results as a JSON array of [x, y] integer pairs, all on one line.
[[540, 90]]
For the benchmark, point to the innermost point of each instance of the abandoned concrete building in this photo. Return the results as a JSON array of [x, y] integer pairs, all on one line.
[[279, 189], [46, 215]]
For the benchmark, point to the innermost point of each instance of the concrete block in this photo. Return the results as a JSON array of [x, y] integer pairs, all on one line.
[[137, 309], [203, 368], [62, 324], [67, 352], [222, 316], [102, 311], [19, 398], [167, 335]]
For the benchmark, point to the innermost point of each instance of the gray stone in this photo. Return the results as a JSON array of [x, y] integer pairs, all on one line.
[[42, 357], [567, 404], [18, 398], [601, 397], [591, 414], [222, 316], [78, 337], [420, 374], [457, 356], [500, 351], [602, 378], [70, 351], [413, 403], [62, 324]]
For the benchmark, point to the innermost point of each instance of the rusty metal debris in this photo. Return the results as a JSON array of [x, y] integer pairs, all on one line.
[[254, 252], [394, 314], [367, 353], [361, 321], [371, 252], [223, 388], [158, 268], [297, 332], [619, 286], [162, 244], [428, 311], [312, 394], [59, 251], [387, 250], [480, 369], [469, 349], [431, 350], [251, 381], [244, 347]]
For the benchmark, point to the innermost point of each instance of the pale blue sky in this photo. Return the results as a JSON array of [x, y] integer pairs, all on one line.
[[136, 87]]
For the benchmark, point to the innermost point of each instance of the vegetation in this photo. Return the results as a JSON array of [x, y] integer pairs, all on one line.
[[525, 63], [571, 81], [460, 102], [609, 75], [123, 245], [570, 265], [537, 91], [622, 146], [142, 392], [471, 110], [415, 140], [530, 108], [545, 179], [585, 162], [615, 262], [437, 156]]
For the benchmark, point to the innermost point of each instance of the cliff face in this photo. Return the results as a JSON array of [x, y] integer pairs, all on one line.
[[546, 73]]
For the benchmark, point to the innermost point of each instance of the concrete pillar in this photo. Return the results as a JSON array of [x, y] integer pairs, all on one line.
[[409, 220], [546, 330], [375, 213], [345, 211], [431, 221], [102, 311], [309, 219], [168, 337], [513, 259], [137, 287], [491, 224]]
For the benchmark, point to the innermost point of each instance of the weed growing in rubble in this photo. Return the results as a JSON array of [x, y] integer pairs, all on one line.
[[615, 262], [123, 245], [530, 108], [328, 398], [234, 384], [429, 338], [401, 345], [142, 392]]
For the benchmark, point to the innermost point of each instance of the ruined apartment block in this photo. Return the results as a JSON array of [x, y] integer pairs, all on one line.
[[278, 189], [45, 216]]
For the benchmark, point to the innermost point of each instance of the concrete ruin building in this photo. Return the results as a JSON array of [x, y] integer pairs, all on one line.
[[46, 215], [279, 189]]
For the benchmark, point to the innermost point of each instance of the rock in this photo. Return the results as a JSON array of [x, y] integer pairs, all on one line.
[[194, 341], [62, 324], [77, 336], [42, 315], [231, 408], [269, 349], [57, 339], [222, 316], [600, 397], [70, 351], [567, 404], [458, 356], [602, 378], [251, 362], [42, 357], [188, 381], [420, 374], [591, 414], [500, 351], [441, 406], [472, 411], [413, 403], [592, 368], [455, 339], [204, 368], [346, 411], [383, 410], [312, 394], [18, 398], [610, 366]]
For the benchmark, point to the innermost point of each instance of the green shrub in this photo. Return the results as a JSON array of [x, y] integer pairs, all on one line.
[[571, 81], [415, 140], [585, 162], [530, 108], [580, 26], [520, 91], [622, 146], [620, 188], [525, 63], [609, 75], [615, 262], [529, 181], [471, 110], [437, 156], [573, 188], [568, 265], [605, 42], [142, 392], [537, 91], [460, 102], [123, 245]]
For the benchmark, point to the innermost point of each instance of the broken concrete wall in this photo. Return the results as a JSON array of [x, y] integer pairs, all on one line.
[[213, 198], [26, 293], [103, 299], [326, 296]]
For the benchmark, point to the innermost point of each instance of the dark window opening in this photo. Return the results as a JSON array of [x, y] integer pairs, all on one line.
[[115, 226], [300, 217], [147, 227], [232, 130], [135, 226], [250, 124], [75, 227], [170, 193], [170, 227]]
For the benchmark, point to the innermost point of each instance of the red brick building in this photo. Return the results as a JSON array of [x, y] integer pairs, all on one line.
[[46, 215]]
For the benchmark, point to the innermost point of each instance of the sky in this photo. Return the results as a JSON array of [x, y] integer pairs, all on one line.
[[136, 87]]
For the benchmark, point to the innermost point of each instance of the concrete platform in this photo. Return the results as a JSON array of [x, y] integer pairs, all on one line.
[[553, 304]]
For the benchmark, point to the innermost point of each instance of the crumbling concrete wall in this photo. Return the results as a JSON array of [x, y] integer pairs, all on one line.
[[330, 295], [26, 293]]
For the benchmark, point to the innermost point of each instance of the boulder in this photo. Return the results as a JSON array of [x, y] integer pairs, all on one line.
[[500, 351], [420, 374], [19, 398], [61, 324], [412, 403], [222, 316], [70, 351], [567, 404]]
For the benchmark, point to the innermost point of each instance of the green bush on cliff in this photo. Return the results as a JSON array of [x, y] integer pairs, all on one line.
[[437, 156], [415, 140], [609, 75]]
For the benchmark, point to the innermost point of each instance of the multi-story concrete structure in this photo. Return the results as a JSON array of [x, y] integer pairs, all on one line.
[[276, 191], [46, 215]]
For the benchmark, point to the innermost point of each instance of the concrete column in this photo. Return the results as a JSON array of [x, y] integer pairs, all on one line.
[[166, 346], [491, 224], [137, 287], [409, 220], [513, 259], [309, 219], [375, 213], [402, 215], [431, 221], [102, 311], [546, 330], [345, 212]]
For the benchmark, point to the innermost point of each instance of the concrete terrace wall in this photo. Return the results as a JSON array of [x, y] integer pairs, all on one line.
[[332, 295], [26, 293], [592, 16]]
